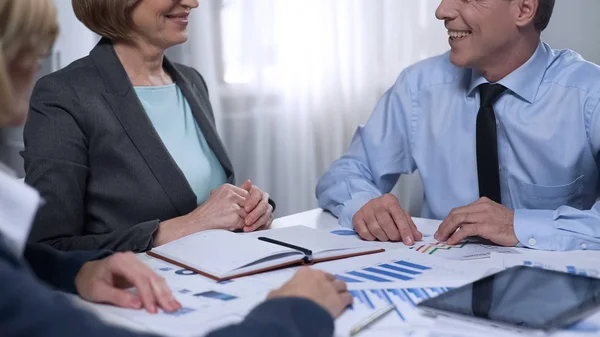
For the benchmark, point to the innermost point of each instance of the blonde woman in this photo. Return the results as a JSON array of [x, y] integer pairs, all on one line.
[[122, 143], [30, 309]]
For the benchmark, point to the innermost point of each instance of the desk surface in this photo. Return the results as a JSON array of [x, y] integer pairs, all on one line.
[[325, 221], [316, 218]]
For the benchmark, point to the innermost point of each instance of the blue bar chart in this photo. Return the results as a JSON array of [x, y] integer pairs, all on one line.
[[375, 299], [368, 301], [386, 272], [179, 312]]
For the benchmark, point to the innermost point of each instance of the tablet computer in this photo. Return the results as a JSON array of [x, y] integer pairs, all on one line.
[[523, 299]]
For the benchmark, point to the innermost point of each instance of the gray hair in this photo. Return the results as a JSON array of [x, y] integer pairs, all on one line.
[[543, 15]]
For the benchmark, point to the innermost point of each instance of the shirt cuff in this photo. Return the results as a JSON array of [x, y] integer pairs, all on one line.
[[353, 205], [534, 228]]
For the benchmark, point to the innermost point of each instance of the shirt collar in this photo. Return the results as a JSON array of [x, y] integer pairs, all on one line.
[[525, 81], [18, 206]]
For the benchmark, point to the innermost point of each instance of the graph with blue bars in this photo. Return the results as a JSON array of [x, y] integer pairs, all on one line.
[[569, 269], [385, 272], [405, 299]]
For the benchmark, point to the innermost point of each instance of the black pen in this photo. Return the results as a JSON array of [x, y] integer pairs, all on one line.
[[307, 252]]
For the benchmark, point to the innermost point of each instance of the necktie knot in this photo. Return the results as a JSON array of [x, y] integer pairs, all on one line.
[[489, 93]]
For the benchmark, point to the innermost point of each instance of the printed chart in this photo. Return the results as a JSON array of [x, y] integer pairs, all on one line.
[[206, 292], [368, 301], [400, 270], [462, 251]]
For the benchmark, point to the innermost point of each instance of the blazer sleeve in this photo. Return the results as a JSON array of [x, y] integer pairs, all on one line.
[[282, 317], [28, 308], [56, 164], [59, 269]]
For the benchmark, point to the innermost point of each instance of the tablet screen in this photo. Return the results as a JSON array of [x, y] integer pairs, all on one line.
[[525, 297]]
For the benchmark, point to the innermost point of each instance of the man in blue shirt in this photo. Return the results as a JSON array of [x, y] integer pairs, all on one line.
[[505, 133]]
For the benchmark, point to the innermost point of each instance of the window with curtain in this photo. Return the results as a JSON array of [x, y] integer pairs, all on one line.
[[290, 80]]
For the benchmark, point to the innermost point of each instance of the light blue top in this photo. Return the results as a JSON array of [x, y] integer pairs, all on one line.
[[174, 122], [548, 144]]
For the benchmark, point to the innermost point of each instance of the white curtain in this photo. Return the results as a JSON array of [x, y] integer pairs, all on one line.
[[290, 80]]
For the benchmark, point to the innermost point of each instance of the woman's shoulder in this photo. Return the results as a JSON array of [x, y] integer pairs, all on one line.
[[79, 74]]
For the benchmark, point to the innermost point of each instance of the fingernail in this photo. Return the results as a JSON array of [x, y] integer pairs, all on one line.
[[136, 303], [409, 241], [435, 235]]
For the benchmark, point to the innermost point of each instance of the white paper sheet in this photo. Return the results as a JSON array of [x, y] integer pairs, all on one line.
[[466, 250], [192, 320], [405, 317], [18, 205], [405, 268]]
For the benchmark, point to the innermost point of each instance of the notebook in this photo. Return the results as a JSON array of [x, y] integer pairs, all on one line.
[[223, 255]]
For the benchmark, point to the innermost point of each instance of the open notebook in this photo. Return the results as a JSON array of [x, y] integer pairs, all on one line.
[[223, 255]]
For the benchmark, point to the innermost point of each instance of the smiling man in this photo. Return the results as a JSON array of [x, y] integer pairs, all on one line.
[[504, 130]]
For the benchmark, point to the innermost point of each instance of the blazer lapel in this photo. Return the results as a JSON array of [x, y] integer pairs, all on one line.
[[201, 110], [130, 113]]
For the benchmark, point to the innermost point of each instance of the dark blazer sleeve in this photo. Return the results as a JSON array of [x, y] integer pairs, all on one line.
[[59, 269], [28, 308], [283, 317], [61, 173]]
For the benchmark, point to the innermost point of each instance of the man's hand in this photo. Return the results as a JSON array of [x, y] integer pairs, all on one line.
[[484, 218], [383, 219], [318, 286], [106, 281], [260, 212]]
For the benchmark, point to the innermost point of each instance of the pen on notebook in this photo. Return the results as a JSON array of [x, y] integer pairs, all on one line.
[[371, 319], [285, 244]]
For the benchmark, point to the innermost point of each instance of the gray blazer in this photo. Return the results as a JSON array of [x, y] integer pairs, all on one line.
[[92, 152]]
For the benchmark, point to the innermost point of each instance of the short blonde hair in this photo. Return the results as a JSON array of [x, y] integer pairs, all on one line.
[[108, 18], [28, 29]]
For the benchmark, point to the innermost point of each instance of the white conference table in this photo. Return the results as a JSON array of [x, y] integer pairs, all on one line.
[[318, 219]]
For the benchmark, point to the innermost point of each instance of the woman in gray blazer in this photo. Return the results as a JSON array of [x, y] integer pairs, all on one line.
[[122, 143]]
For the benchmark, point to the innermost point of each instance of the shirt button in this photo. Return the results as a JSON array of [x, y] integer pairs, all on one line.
[[584, 246], [532, 242]]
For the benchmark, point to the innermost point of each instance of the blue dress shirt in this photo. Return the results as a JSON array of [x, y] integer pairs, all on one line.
[[548, 147]]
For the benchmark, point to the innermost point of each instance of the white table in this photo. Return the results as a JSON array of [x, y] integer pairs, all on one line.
[[318, 219], [314, 218]]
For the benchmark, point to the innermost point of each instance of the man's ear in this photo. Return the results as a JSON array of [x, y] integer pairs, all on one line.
[[525, 11]]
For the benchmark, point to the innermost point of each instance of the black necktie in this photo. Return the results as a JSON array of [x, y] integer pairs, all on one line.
[[488, 170]]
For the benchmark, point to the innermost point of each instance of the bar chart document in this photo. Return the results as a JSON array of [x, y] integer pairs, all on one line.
[[405, 316], [466, 250]]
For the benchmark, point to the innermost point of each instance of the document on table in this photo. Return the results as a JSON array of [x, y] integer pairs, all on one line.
[[406, 268], [195, 318], [187, 281], [466, 250], [207, 304], [405, 317]]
